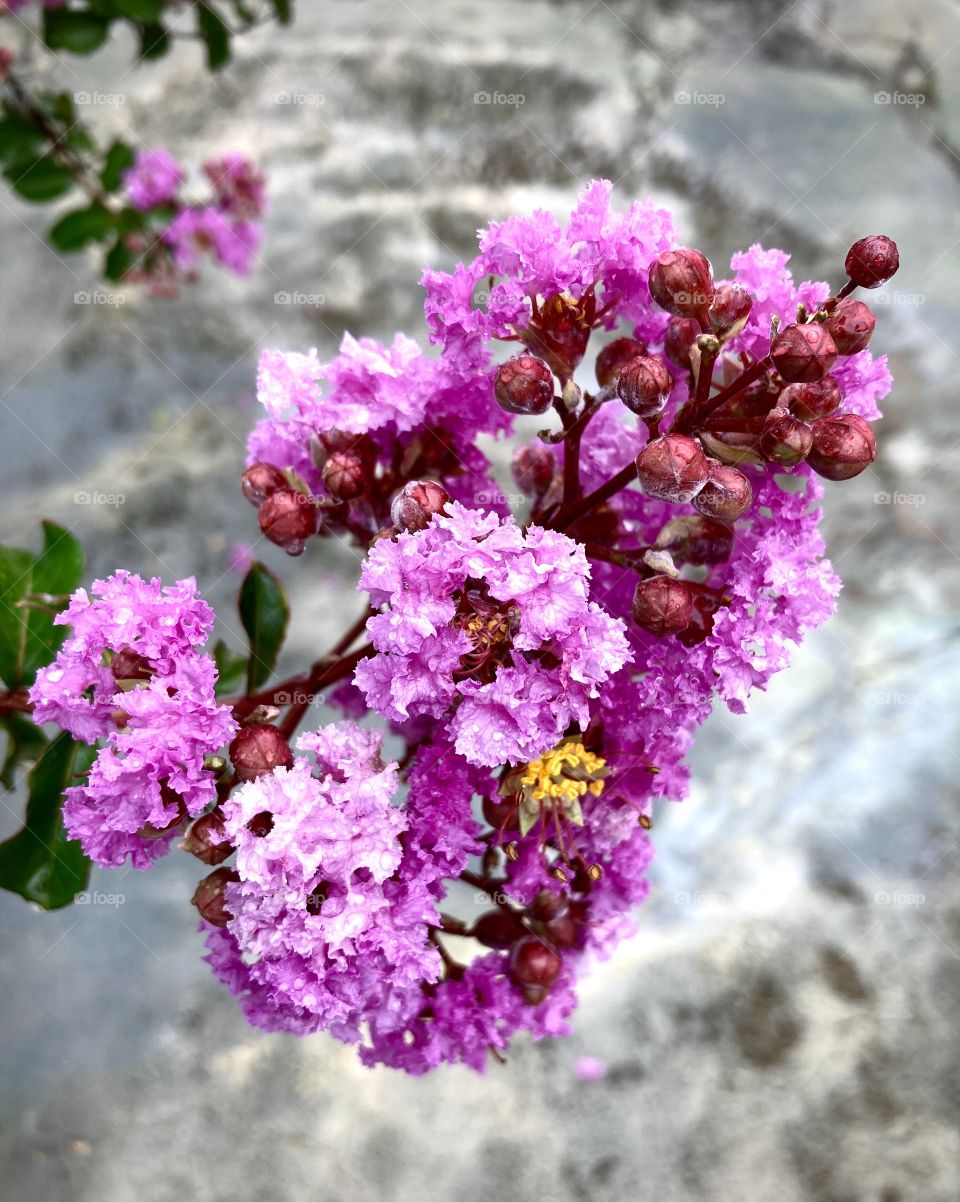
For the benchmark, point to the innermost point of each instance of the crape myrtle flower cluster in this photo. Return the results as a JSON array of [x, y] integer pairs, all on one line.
[[540, 673]]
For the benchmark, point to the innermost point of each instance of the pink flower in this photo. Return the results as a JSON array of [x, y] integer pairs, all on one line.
[[154, 179]]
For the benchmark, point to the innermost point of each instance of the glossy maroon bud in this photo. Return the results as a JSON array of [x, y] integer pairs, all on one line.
[[784, 439], [672, 468], [803, 353], [205, 839], [663, 605], [726, 496], [498, 929], [614, 357], [524, 385], [416, 503], [681, 282], [872, 261], [811, 400], [679, 339], [258, 749], [501, 813], [843, 445], [260, 480], [705, 605], [729, 310], [644, 385], [851, 326], [562, 930], [288, 518], [209, 898], [534, 966], [533, 468], [547, 905], [344, 476], [128, 664]]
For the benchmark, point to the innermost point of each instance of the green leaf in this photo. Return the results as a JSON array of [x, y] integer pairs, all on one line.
[[20, 141], [25, 741], [264, 612], [215, 34], [284, 10], [118, 159], [74, 230], [119, 259], [231, 669], [39, 179], [154, 41], [40, 862], [139, 10], [77, 30], [28, 637]]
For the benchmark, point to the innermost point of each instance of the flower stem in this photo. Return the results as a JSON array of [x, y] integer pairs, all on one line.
[[566, 517]]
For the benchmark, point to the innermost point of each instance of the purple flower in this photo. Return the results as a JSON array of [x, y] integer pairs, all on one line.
[[206, 230], [154, 179], [240, 189]]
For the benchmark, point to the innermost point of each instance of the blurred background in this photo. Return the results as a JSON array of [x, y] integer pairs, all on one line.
[[783, 1027]]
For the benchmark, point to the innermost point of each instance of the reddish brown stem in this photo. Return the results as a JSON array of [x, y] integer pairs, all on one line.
[[694, 413], [566, 517]]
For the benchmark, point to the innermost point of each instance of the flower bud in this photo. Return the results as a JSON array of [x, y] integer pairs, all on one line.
[[288, 518], [502, 813], [534, 966], [344, 476], [524, 385], [843, 445], [205, 839], [416, 503], [547, 905], [209, 898], [681, 282], [803, 353], [872, 261], [811, 400], [726, 496], [614, 357], [679, 339], [784, 439], [498, 929], [644, 385], [851, 326], [729, 310], [260, 480], [562, 930], [257, 750], [533, 468], [672, 468], [662, 605], [693, 539], [128, 664]]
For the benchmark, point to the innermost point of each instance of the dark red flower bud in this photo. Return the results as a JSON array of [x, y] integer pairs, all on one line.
[[851, 326], [784, 438], [679, 339], [416, 503], [727, 494], [811, 400], [663, 605], [693, 539], [562, 930], [534, 966], [205, 839], [803, 353], [533, 468], [843, 445], [128, 664], [258, 749], [672, 468], [547, 905], [288, 518], [614, 356], [209, 897], [729, 310], [501, 813], [344, 476], [644, 385], [681, 281], [260, 480], [498, 929], [872, 261], [261, 824], [524, 385]]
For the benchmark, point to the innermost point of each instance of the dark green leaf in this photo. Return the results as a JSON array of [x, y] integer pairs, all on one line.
[[119, 259], [40, 862], [25, 741], [215, 34], [154, 41], [20, 141], [139, 10], [118, 159], [74, 230], [231, 669], [264, 612], [284, 10], [77, 30], [39, 179]]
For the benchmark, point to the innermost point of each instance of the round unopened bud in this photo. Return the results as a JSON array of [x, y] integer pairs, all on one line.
[[672, 468], [681, 281], [533, 468], [288, 518], [851, 326], [729, 310], [205, 839], [563, 930], [614, 357], [803, 353], [644, 385], [726, 496], [416, 503], [498, 929], [344, 476], [843, 445], [696, 539], [811, 400], [260, 480], [547, 905], [257, 750], [679, 339], [784, 439], [502, 813], [128, 664], [524, 385], [534, 966], [662, 605], [209, 897], [872, 261]]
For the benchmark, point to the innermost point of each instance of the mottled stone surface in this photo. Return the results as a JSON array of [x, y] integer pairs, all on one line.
[[784, 1026]]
